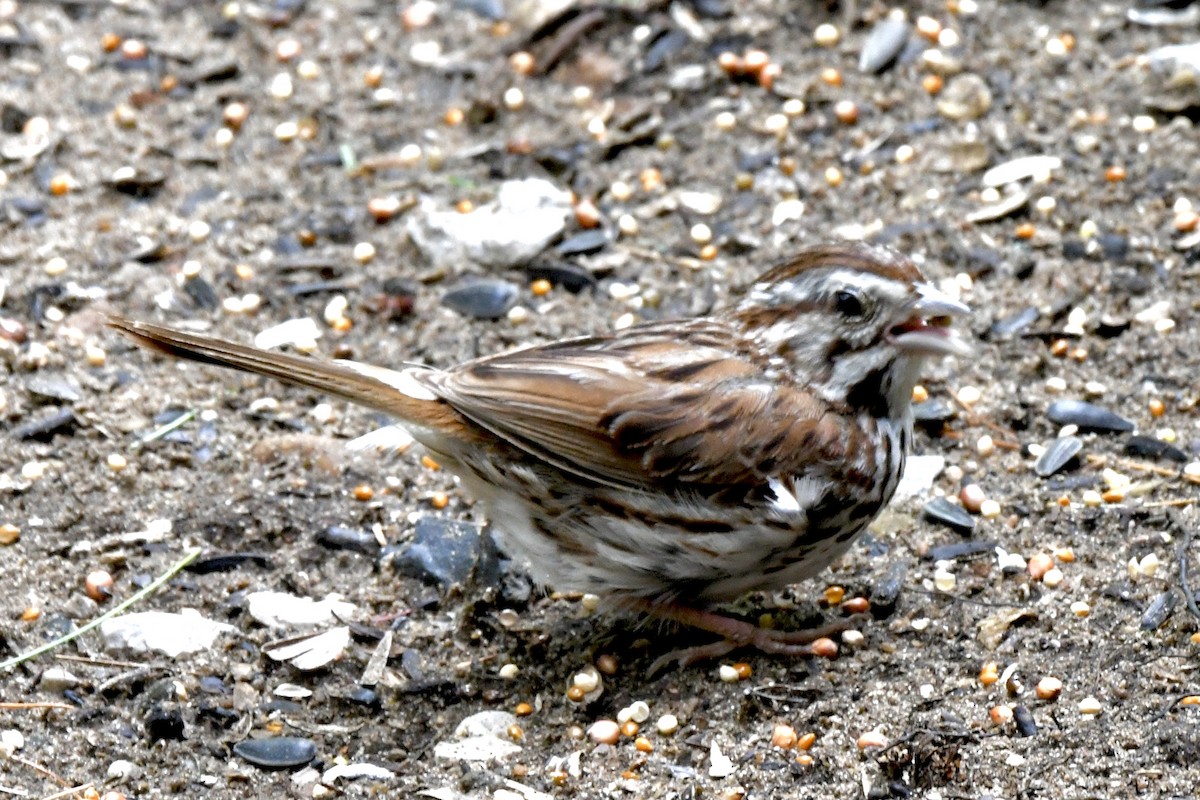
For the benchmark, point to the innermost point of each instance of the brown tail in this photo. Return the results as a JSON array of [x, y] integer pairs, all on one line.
[[373, 387]]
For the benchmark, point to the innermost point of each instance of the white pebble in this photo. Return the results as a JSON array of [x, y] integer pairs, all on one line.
[[985, 446], [509, 671], [826, 35], [989, 509], [701, 233], [1053, 577], [1056, 385], [281, 86], [33, 470], [639, 711], [667, 724], [1090, 706], [969, 395], [944, 581], [728, 674], [364, 252], [588, 681], [116, 462], [604, 731]]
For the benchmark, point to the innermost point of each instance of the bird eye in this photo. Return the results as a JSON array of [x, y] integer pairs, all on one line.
[[850, 304]]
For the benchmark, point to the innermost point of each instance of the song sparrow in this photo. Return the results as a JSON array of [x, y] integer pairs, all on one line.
[[674, 465]]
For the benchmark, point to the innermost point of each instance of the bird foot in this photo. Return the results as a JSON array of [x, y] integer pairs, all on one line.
[[737, 634]]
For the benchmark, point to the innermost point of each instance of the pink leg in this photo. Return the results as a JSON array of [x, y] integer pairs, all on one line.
[[736, 633]]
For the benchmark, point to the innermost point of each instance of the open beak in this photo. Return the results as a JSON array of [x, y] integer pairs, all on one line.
[[927, 331]]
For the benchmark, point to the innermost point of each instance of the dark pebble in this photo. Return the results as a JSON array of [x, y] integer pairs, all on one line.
[[201, 293], [584, 242], [482, 299], [228, 562], [571, 277], [1149, 447], [943, 512], [961, 551], [164, 724], [1111, 327], [1159, 610], [280, 752], [1087, 416], [139, 183], [61, 421], [662, 49], [886, 591], [1059, 453], [363, 696], [443, 551], [410, 662], [1114, 246], [1026, 726], [211, 684], [1074, 248], [336, 537], [1013, 324], [931, 411]]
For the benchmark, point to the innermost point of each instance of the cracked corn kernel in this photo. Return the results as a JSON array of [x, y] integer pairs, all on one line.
[[989, 674]]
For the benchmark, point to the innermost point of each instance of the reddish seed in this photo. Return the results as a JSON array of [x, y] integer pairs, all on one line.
[[824, 647], [1114, 174], [856, 605], [363, 492], [1024, 231], [730, 63], [846, 112], [831, 76], [98, 585], [754, 61]]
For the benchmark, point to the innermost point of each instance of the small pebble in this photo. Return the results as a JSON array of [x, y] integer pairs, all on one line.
[[604, 731], [872, 738], [1090, 706], [1048, 688], [972, 497], [989, 674], [826, 35], [98, 585], [1053, 577], [116, 462], [1080, 609], [1039, 564], [1000, 715], [667, 724], [588, 681]]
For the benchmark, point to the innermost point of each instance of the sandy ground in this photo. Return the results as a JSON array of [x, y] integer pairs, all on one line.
[[379, 110]]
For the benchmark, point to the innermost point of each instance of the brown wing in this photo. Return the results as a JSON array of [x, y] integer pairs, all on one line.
[[647, 408]]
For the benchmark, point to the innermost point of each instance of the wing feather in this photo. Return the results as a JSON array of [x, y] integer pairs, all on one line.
[[647, 410]]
